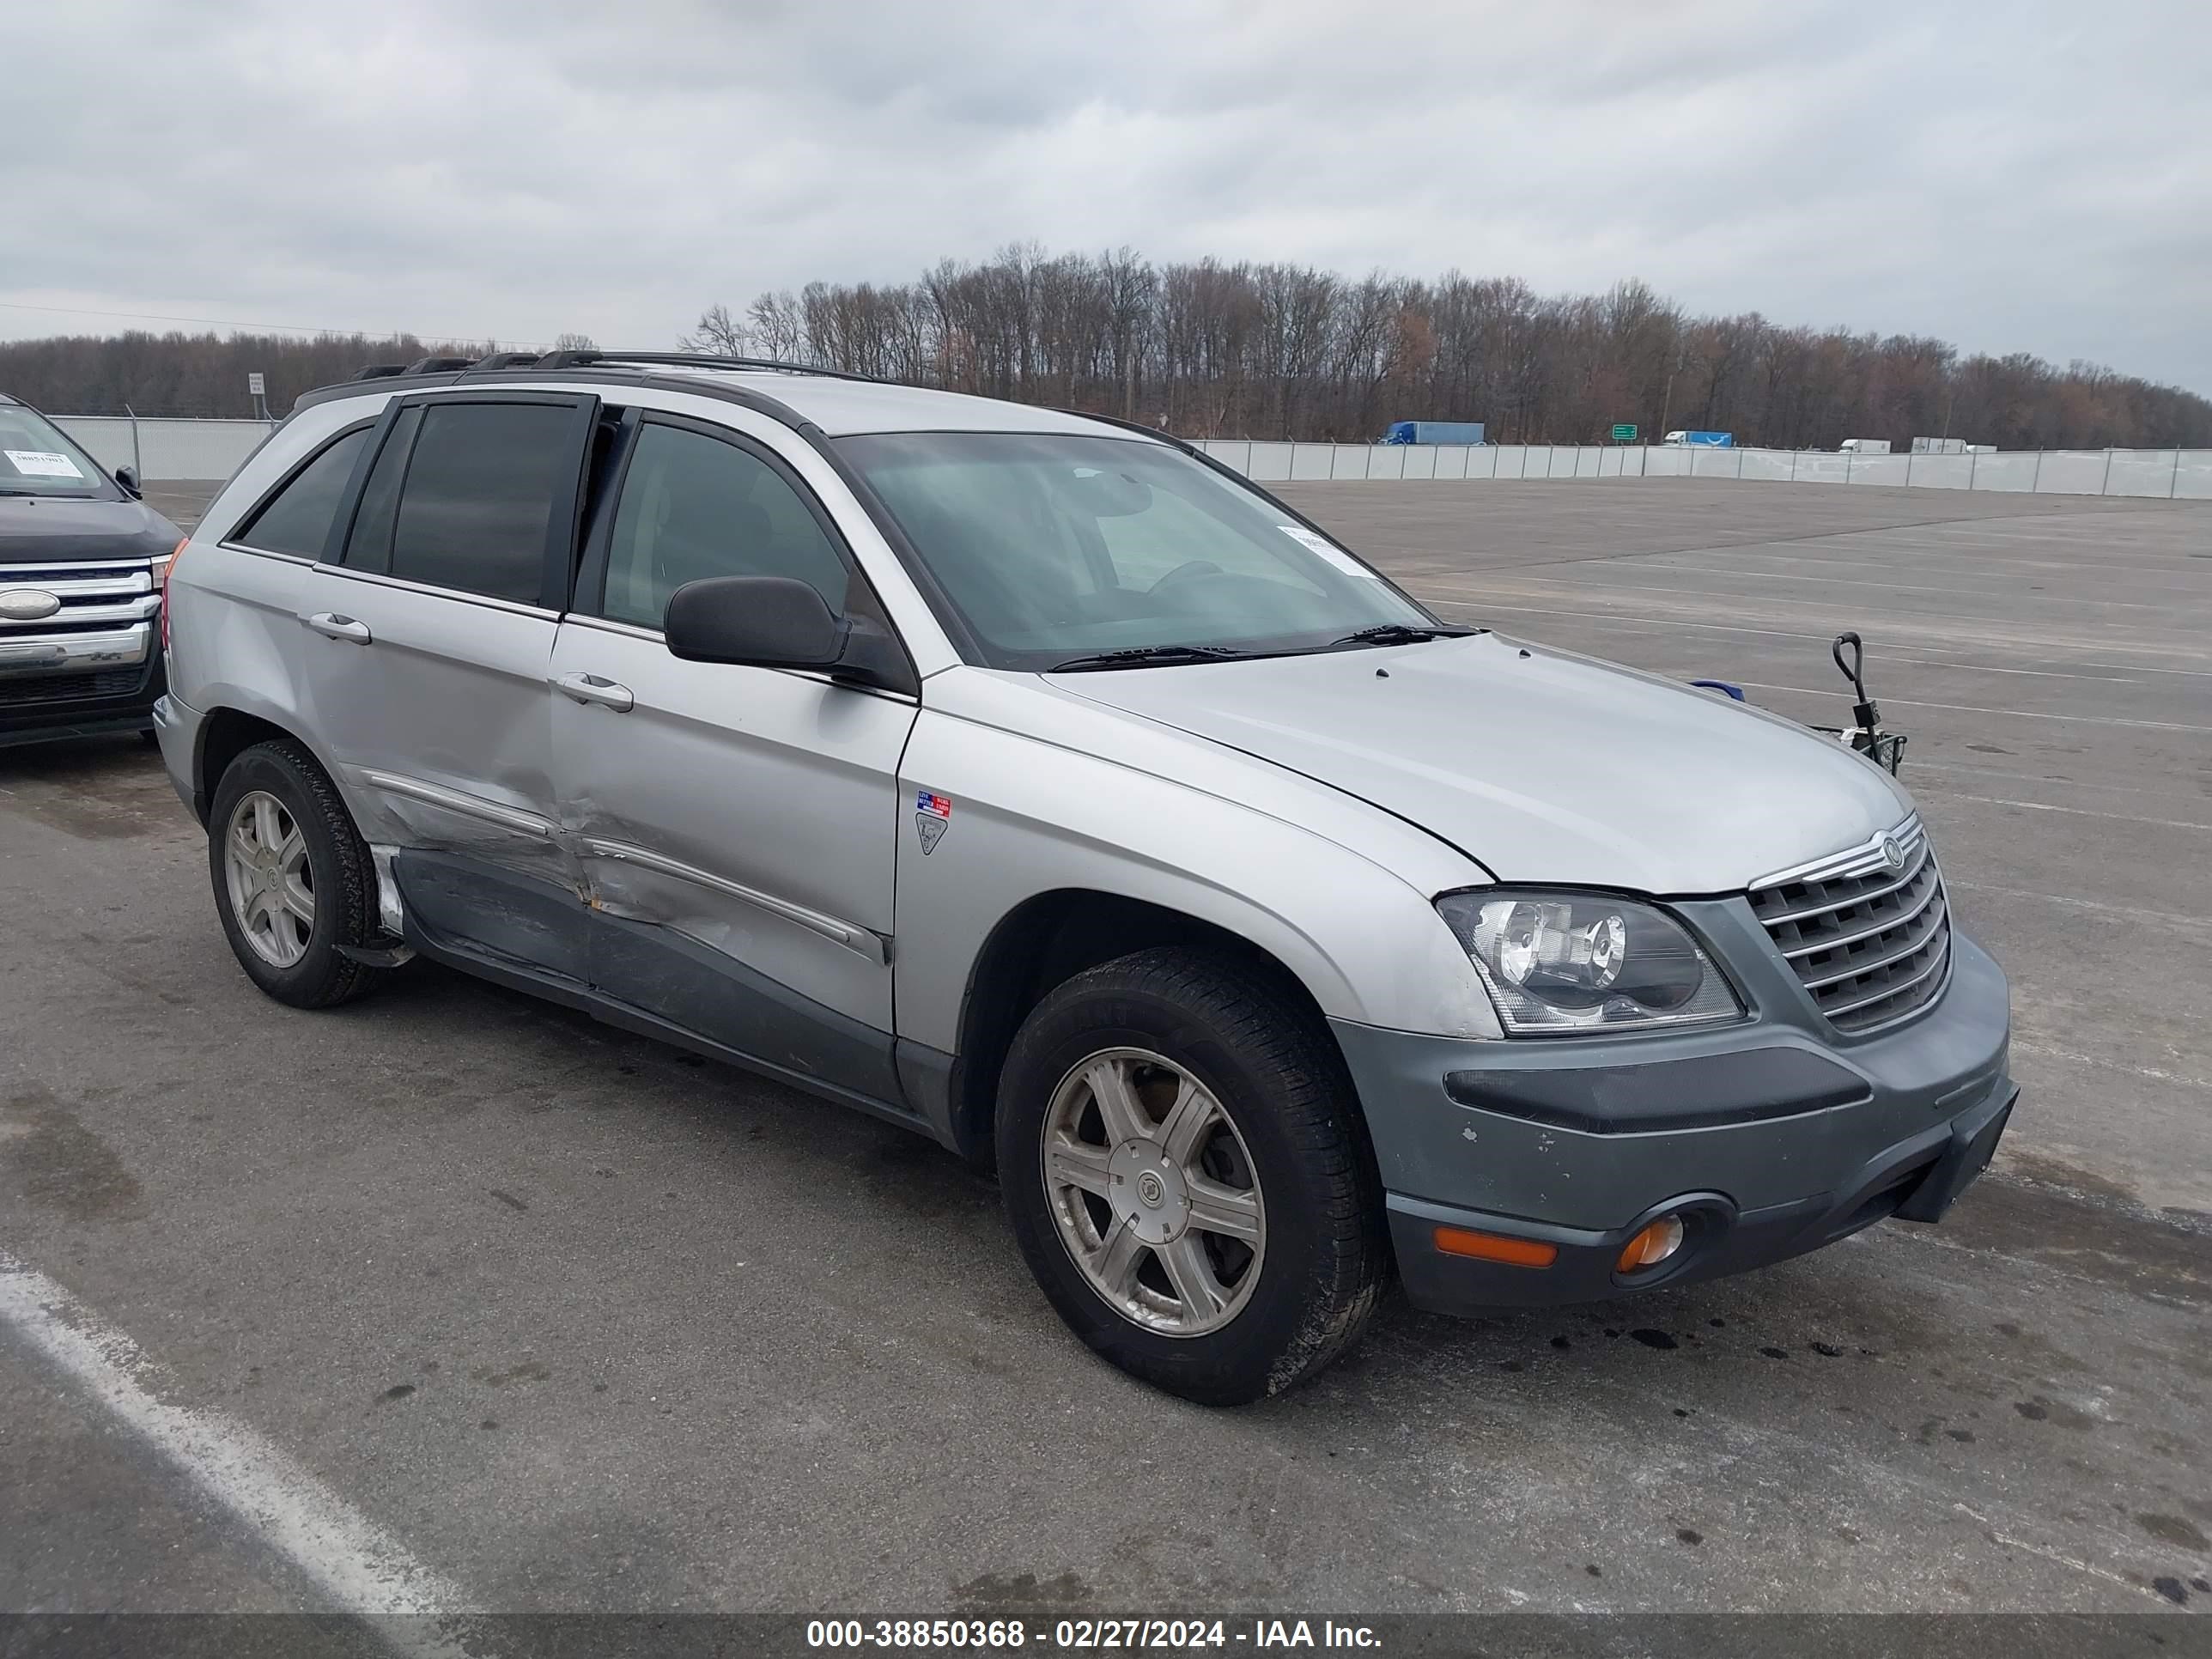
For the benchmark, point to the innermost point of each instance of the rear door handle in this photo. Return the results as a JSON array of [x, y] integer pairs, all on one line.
[[332, 626], [590, 688]]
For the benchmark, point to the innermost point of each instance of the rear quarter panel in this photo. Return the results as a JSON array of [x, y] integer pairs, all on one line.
[[235, 638]]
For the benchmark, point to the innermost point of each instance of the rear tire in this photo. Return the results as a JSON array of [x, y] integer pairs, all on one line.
[[293, 880], [1185, 1169]]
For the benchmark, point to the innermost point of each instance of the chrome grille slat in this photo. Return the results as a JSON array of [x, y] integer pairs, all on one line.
[[1891, 922], [1874, 932], [71, 618], [1898, 923], [1860, 968], [1899, 989], [1825, 910]]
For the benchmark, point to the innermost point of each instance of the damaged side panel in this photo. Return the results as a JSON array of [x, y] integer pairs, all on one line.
[[438, 726], [732, 833]]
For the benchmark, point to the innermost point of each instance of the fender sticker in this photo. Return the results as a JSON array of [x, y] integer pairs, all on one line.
[[932, 813]]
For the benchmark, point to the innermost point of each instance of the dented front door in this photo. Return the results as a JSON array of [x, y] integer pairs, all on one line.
[[734, 827]]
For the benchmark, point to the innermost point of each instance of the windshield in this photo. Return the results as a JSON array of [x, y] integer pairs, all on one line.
[[36, 459], [1056, 546]]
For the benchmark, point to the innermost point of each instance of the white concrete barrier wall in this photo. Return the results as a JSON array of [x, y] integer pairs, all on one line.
[[211, 451], [2177, 474], [177, 451]]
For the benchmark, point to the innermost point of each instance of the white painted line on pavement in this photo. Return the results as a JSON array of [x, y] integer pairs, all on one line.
[[1920, 764], [363, 1569], [2011, 714], [2133, 912], [2077, 812], [1779, 633]]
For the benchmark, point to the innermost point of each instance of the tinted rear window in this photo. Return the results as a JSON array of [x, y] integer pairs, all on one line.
[[478, 498], [297, 519]]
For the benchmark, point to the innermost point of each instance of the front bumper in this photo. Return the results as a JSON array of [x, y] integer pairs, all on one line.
[[1771, 1137], [48, 698]]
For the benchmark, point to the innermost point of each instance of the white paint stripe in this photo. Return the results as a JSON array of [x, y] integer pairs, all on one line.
[[1769, 633], [364, 1570], [2022, 1045], [1906, 587], [2133, 912], [2009, 1542], [1900, 653], [1978, 709], [1916, 558], [1920, 765], [2077, 812], [1616, 578]]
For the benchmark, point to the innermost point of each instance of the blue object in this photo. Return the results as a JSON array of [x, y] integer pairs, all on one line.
[[1735, 691], [1706, 440], [1432, 432]]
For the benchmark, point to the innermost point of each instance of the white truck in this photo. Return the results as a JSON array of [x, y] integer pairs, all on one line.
[[1863, 447]]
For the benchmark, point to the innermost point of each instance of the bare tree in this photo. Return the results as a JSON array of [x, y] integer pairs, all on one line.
[[1265, 350], [716, 333]]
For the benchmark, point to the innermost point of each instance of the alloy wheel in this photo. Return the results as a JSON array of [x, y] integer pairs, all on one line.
[[1153, 1192], [272, 891]]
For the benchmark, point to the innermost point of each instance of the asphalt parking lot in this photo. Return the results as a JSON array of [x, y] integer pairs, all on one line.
[[585, 1324]]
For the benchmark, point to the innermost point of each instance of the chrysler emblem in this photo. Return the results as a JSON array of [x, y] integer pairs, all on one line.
[[1891, 854], [27, 604]]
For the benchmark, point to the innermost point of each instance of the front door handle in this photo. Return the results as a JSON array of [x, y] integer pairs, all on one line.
[[332, 626], [590, 688]]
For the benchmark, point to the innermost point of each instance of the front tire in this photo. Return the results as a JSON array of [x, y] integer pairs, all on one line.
[[293, 880], [1184, 1168]]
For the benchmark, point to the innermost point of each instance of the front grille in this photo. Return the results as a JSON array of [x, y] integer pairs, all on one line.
[[109, 596], [1871, 945], [67, 687]]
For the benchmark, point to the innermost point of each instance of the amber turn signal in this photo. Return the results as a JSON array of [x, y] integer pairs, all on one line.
[[1652, 1246], [1495, 1246]]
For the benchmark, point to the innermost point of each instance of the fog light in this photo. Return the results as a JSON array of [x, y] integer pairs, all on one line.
[[1495, 1247], [1652, 1246]]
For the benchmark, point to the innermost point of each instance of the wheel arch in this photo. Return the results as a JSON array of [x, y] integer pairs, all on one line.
[[224, 734], [1047, 939]]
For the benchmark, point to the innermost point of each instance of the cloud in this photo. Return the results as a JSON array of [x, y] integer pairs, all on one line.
[[2021, 177]]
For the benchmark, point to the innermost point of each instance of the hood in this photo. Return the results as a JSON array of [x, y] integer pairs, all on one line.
[[1541, 766], [61, 530]]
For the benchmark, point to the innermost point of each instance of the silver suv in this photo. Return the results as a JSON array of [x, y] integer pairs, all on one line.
[[1032, 781]]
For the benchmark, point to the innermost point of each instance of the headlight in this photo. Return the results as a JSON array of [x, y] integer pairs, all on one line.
[[1579, 962]]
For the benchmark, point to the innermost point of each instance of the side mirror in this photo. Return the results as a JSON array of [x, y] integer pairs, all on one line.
[[775, 622], [128, 478], [767, 622]]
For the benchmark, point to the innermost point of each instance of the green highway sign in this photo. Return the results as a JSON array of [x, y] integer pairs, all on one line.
[[1624, 434]]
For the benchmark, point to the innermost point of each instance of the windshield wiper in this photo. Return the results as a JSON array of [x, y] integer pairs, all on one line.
[[1136, 656], [1403, 634], [18, 492]]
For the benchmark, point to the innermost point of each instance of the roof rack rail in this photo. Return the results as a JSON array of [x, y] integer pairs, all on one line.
[[440, 365], [507, 360], [1159, 432], [380, 371], [699, 360]]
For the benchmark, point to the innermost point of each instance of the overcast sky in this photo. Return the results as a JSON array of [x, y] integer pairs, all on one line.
[[2010, 177]]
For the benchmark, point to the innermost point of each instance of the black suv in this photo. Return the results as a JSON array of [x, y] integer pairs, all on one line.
[[82, 562]]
